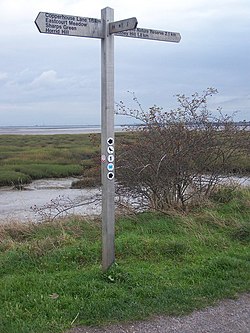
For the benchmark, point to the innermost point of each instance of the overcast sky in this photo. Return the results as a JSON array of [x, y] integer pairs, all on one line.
[[48, 79]]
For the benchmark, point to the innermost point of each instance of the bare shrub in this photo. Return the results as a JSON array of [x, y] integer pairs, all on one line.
[[62, 206], [177, 156]]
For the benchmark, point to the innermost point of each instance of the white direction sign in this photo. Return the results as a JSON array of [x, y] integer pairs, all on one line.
[[118, 26], [60, 24], [143, 33]]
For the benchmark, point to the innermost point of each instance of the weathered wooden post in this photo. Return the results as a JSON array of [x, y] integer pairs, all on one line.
[[107, 140]]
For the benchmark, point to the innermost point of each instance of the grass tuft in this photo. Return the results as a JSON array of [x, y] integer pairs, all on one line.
[[242, 234]]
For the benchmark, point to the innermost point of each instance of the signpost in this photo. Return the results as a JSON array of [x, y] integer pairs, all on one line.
[[104, 29]]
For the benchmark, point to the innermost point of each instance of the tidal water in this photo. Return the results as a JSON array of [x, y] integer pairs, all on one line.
[[19, 206], [46, 130], [16, 205]]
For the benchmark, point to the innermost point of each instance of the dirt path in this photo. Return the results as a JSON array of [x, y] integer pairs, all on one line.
[[229, 316]]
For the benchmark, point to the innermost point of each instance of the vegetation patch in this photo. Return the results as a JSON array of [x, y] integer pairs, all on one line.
[[179, 156], [13, 178], [28, 157], [51, 280]]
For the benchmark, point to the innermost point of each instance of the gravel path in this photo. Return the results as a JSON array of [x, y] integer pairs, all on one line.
[[229, 316]]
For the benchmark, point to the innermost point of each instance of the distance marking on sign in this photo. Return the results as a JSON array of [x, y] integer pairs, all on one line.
[[164, 36]]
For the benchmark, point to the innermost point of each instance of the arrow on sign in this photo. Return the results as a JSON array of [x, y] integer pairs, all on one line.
[[123, 25]]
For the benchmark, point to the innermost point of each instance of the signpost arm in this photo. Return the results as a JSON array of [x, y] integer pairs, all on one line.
[[107, 131]]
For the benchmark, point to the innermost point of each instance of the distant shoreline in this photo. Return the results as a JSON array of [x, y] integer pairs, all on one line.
[[47, 130], [74, 129]]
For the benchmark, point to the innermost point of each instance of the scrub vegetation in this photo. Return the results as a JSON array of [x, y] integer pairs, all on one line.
[[180, 155], [50, 276]]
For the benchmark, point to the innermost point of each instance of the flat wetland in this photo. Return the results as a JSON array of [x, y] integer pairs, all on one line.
[[24, 158], [172, 264]]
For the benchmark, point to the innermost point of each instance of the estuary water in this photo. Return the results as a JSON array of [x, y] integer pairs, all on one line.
[[48, 130], [16, 205]]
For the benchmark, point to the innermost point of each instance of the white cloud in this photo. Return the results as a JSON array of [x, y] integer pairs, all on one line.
[[47, 79]]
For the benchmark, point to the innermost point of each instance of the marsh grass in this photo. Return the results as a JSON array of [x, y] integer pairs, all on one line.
[[27, 157], [50, 275]]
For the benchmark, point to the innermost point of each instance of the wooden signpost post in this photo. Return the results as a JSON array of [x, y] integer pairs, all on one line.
[[104, 29]]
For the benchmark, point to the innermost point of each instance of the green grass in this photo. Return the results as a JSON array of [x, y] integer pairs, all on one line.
[[24, 158], [25, 173], [51, 280]]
